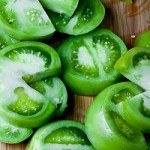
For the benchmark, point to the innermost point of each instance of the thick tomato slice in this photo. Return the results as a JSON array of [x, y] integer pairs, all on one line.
[[21, 64], [88, 15], [25, 19], [64, 134], [104, 124], [88, 61]]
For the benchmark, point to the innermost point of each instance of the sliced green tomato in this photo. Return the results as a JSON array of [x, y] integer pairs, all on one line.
[[20, 62], [43, 60], [29, 110], [104, 125], [60, 135], [25, 19], [135, 66], [87, 17], [12, 134], [66, 7], [5, 39], [136, 111], [55, 90], [88, 61], [143, 39]]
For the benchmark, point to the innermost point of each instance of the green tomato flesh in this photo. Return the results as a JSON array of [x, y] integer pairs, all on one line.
[[66, 7]]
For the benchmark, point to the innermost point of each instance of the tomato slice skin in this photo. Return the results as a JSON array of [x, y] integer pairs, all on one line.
[[66, 7], [64, 134], [135, 66], [88, 15], [104, 125], [55, 90], [88, 60], [142, 39], [28, 22], [11, 134], [21, 105]]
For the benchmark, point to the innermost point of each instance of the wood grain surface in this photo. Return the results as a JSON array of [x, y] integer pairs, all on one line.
[[127, 21]]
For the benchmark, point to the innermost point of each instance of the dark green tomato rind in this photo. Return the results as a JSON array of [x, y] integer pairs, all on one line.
[[55, 91], [11, 134], [5, 39], [143, 39], [131, 59], [16, 115], [50, 56], [134, 65], [26, 23], [64, 134], [135, 113], [97, 77], [88, 15], [105, 127], [66, 7]]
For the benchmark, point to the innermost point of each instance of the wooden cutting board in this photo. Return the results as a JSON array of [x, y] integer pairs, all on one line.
[[127, 21]]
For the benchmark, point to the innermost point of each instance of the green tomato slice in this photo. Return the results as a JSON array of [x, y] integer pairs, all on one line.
[[25, 20], [136, 111], [66, 7], [88, 15], [43, 59], [20, 63], [55, 90], [135, 66], [12, 134], [60, 135], [88, 61], [143, 39], [104, 125]]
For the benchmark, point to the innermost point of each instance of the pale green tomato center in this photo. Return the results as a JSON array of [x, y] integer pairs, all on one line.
[[84, 58], [140, 76], [11, 74]]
